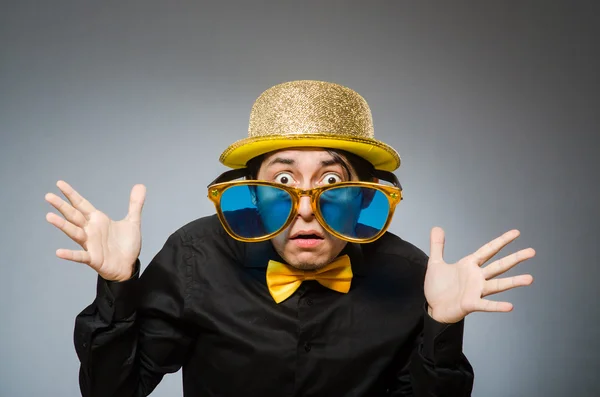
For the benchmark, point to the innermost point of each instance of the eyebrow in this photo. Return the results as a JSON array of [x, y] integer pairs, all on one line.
[[325, 163], [287, 161], [281, 160]]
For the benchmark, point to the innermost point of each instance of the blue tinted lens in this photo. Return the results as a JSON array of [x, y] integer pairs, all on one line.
[[255, 211], [355, 212]]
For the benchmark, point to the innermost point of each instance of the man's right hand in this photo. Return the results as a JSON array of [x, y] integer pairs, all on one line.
[[110, 247]]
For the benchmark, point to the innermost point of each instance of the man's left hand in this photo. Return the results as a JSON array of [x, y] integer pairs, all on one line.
[[455, 290]]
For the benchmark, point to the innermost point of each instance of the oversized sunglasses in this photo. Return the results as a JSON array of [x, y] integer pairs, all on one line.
[[253, 210]]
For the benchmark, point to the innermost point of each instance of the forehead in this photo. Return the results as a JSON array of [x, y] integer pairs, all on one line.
[[299, 156]]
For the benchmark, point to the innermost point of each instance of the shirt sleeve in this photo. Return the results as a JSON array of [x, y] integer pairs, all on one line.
[[135, 331], [442, 343], [438, 367]]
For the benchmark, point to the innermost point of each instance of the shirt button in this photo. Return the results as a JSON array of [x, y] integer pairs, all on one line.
[[110, 303], [309, 302], [307, 347]]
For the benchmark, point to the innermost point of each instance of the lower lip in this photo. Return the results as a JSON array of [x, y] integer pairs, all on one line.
[[307, 242]]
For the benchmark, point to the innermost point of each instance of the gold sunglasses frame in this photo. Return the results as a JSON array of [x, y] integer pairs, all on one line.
[[216, 190]]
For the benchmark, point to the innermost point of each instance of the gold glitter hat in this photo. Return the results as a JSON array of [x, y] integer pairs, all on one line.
[[310, 113]]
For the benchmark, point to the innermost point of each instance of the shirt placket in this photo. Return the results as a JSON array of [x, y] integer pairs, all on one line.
[[305, 349]]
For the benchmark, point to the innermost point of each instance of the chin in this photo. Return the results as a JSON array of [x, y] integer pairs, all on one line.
[[309, 260]]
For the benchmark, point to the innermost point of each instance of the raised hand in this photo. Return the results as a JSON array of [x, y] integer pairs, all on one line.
[[109, 247], [455, 290]]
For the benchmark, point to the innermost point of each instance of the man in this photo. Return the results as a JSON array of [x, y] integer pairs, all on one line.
[[294, 288]]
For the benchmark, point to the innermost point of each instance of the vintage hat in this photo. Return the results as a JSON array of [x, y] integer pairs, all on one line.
[[310, 113]]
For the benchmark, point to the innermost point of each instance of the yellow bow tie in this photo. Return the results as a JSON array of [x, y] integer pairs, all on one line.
[[284, 280]]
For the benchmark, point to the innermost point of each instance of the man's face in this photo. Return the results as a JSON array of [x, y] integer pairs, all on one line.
[[304, 244]]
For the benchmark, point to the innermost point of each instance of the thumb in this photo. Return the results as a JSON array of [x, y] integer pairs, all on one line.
[[437, 240], [136, 203]]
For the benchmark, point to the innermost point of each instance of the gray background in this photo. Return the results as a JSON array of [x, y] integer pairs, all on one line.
[[494, 108]]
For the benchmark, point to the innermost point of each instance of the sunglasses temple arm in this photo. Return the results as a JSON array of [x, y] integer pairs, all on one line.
[[387, 176], [230, 176]]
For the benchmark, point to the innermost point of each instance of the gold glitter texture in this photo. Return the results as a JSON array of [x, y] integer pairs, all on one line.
[[310, 113]]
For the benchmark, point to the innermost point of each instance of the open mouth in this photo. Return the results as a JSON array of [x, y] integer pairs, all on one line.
[[307, 240], [307, 237]]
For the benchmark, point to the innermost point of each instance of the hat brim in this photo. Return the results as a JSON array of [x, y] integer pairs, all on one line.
[[382, 156]]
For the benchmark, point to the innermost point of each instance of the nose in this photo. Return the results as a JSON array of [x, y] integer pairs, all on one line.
[[305, 209]]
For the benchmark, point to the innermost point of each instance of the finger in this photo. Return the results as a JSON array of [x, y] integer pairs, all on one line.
[[75, 256], [485, 305], [437, 240], [500, 266], [136, 203], [84, 206], [70, 213], [76, 233], [504, 284], [490, 249]]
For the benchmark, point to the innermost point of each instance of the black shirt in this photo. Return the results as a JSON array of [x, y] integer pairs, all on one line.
[[203, 304]]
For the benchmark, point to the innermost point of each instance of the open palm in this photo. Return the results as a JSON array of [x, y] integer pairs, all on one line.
[[455, 290], [109, 247]]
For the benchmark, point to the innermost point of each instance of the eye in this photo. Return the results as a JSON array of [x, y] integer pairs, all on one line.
[[284, 178], [330, 178]]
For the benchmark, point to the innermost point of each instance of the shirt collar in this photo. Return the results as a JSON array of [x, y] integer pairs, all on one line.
[[258, 255]]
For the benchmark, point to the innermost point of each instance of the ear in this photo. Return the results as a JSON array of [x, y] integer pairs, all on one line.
[[252, 189], [368, 195]]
